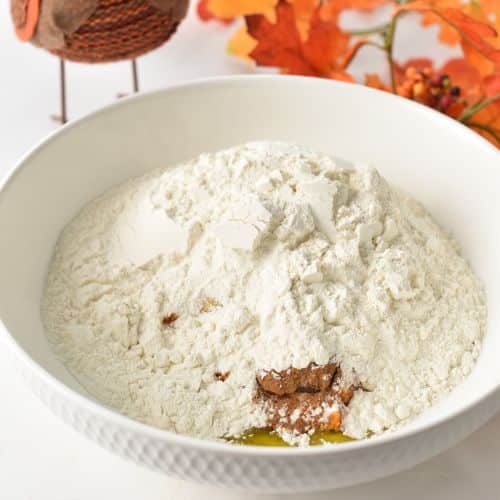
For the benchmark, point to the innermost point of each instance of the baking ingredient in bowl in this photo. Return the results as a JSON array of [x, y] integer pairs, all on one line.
[[172, 296]]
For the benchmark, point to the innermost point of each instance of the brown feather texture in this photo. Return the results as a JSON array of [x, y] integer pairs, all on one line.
[[98, 31], [59, 18]]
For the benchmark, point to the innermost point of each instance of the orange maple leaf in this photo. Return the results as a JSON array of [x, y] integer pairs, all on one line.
[[487, 123], [280, 45], [304, 37], [447, 34], [486, 11], [229, 9], [492, 84], [474, 34]]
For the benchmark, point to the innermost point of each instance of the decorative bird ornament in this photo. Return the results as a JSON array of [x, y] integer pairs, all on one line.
[[96, 31]]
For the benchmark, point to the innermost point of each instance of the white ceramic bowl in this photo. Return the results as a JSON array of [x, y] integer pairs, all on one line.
[[452, 170]]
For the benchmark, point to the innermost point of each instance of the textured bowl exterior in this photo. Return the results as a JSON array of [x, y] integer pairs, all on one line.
[[245, 468], [268, 470]]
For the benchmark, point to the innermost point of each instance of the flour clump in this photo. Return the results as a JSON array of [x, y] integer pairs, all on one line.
[[266, 285]]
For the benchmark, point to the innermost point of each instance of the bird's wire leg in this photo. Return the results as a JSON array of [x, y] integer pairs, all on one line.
[[135, 80], [135, 76], [64, 114], [63, 117]]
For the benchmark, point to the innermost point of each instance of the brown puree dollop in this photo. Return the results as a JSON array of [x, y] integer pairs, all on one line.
[[305, 400]]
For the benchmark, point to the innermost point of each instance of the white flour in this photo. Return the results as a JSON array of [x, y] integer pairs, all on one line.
[[271, 256]]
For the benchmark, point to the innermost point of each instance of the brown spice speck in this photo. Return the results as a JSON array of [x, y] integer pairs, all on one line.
[[209, 304], [169, 319], [346, 394], [222, 376]]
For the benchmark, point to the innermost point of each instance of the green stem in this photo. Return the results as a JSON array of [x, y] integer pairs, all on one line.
[[353, 56], [389, 48], [375, 44], [472, 110], [370, 31], [494, 133]]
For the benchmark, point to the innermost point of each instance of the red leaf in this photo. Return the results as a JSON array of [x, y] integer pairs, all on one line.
[[325, 46], [280, 45]]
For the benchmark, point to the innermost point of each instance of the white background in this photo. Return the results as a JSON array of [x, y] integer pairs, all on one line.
[[41, 458]]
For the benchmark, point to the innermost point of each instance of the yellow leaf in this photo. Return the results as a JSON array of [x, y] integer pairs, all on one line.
[[241, 44], [227, 9]]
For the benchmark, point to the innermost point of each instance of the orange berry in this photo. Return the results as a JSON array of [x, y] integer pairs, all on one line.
[[418, 89], [410, 72]]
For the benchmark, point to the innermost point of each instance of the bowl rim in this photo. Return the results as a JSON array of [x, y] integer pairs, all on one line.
[[169, 437]]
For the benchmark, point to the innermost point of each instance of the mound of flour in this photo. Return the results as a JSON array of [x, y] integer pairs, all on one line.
[[167, 294]]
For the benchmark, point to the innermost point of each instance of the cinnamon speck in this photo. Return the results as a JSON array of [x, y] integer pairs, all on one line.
[[222, 376], [169, 319]]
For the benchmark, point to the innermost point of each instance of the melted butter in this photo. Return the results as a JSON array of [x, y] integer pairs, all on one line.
[[261, 437]]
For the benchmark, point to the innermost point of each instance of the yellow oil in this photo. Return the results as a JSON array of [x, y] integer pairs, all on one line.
[[261, 437]]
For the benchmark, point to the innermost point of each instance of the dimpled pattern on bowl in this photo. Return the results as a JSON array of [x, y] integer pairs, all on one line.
[[259, 472]]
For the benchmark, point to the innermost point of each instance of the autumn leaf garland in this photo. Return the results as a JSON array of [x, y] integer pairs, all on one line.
[[304, 37]]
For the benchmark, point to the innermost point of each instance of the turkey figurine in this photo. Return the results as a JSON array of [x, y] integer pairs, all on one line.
[[97, 31]]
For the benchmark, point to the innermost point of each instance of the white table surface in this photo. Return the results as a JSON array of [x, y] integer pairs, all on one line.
[[40, 457]]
